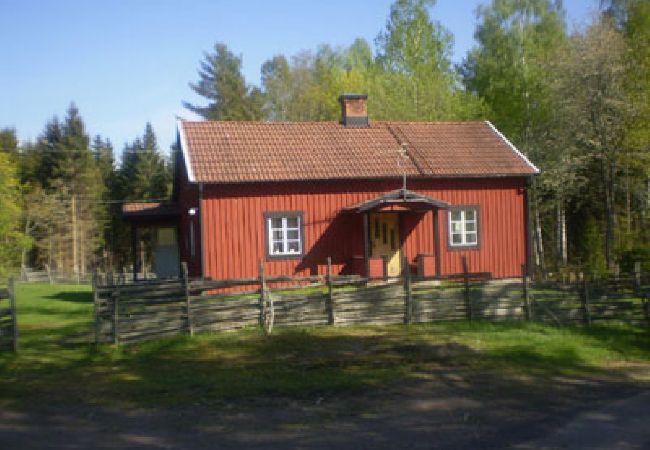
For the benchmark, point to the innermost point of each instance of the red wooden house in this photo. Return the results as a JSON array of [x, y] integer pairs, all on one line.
[[370, 195]]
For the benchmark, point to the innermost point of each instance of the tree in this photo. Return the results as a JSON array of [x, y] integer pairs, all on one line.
[[8, 142], [591, 89], [12, 241], [278, 89], [637, 128], [509, 70], [417, 80], [60, 166], [516, 40], [222, 84], [144, 174]]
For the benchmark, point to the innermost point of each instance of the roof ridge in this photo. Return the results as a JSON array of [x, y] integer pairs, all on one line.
[[333, 122]]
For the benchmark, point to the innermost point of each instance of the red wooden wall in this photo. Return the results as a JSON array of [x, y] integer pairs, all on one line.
[[234, 228]]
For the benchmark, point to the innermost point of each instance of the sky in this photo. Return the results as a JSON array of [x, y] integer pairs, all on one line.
[[128, 62]]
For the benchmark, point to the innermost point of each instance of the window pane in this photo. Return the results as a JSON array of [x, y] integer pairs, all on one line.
[[276, 223], [456, 239], [292, 234], [292, 222], [277, 235], [470, 214], [294, 247], [470, 238], [277, 247], [455, 215], [455, 227], [470, 226]]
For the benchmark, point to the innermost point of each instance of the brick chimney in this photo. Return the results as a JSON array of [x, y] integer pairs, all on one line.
[[354, 110]]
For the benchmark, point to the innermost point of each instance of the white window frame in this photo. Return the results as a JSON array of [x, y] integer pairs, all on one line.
[[284, 231], [463, 227]]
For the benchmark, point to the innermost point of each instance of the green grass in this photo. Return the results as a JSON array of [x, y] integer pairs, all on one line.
[[57, 363]]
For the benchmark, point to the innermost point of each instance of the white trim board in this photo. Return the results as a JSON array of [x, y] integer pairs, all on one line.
[[186, 156], [514, 149]]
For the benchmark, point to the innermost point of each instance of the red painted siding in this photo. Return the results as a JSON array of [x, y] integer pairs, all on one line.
[[188, 198], [234, 229]]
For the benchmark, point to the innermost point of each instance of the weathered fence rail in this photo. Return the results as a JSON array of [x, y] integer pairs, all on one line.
[[127, 313], [8, 325]]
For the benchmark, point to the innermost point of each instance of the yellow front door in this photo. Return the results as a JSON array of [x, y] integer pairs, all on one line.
[[385, 240]]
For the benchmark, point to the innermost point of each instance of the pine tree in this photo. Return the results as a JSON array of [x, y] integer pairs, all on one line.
[[222, 84], [144, 173]]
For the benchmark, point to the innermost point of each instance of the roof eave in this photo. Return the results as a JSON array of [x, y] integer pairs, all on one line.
[[184, 150], [391, 177], [514, 149]]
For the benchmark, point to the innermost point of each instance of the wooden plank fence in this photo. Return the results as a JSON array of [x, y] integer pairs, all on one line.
[[126, 313], [8, 324]]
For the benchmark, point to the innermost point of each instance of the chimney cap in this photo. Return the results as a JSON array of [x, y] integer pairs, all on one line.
[[350, 96]]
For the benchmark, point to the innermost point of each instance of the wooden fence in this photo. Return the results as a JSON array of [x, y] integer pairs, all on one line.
[[127, 313], [8, 326]]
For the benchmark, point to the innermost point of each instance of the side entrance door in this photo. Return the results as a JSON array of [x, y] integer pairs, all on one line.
[[165, 253], [385, 240]]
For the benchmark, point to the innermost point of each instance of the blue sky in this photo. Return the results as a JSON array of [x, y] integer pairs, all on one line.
[[128, 62]]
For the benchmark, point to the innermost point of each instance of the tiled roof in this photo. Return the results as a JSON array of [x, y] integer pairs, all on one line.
[[226, 152], [149, 209]]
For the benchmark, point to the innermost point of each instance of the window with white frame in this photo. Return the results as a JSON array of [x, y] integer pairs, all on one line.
[[463, 227], [284, 234]]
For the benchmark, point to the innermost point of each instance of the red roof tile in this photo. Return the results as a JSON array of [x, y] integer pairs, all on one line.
[[225, 152]]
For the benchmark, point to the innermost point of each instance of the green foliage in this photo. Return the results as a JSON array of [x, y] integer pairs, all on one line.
[[508, 68], [411, 78], [11, 240], [223, 85], [144, 173], [590, 247]]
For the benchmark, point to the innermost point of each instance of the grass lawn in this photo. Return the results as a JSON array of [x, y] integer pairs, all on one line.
[[58, 364]]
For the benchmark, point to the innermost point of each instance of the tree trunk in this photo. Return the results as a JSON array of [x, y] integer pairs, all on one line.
[[561, 244], [73, 213], [608, 184]]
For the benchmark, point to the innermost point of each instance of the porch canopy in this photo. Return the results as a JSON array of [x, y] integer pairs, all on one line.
[[147, 211], [399, 200]]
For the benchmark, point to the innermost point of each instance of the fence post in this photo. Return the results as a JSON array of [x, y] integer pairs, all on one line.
[[266, 303], [330, 293], [468, 301], [188, 305], [12, 305], [637, 277], [524, 282], [408, 297], [96, 305], [116, 317], [585, 299]]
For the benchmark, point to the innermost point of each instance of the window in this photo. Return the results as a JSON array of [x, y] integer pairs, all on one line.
[[284, 234], [463, 227]]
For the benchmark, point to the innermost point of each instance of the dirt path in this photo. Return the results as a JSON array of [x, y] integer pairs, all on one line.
[[442, 409]]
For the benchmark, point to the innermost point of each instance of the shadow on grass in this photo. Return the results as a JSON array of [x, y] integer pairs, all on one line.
[[73, 297], [305, 362]]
